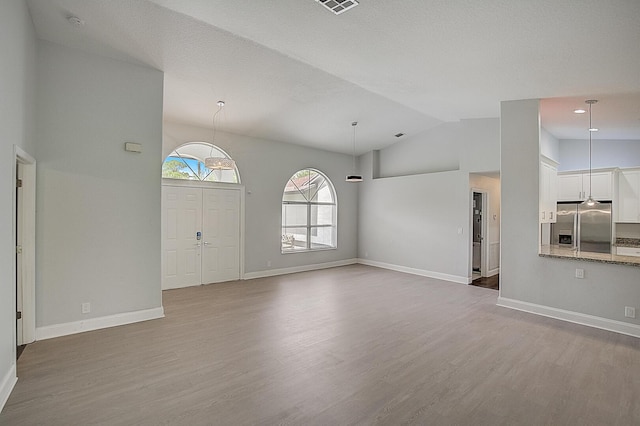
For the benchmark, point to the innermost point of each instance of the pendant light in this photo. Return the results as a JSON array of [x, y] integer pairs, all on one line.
[[590, 202], [218, 163], [354, 177]]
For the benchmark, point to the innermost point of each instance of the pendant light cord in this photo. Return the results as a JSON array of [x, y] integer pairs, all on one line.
[[213, 137], [590, 131], [354, 124]]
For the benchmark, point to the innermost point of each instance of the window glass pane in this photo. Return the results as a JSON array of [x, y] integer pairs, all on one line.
[[294, 215], [322, 215], [291, 193], [323, 237], [312, 182], [176, 168], [324, 194], [229, 176], [294, 239], [316, 185], [187, 162]]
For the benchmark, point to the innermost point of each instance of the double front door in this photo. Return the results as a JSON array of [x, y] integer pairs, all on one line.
[[200, 236]]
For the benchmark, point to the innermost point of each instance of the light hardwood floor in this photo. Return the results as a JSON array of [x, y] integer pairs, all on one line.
[[349, 345]]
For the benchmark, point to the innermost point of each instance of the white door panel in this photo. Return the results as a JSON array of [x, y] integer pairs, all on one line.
[[181, 220], [221, 235]]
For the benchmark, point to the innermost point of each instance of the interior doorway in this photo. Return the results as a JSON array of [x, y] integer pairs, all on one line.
[[24, 218], [478, 234], [201, 235], [484, 227]]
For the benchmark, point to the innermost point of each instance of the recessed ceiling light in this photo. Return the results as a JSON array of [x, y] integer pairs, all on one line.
[[579, 111], [593, 129]]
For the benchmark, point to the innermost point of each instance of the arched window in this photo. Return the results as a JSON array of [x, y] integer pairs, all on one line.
[[309, 212], [188, 162]]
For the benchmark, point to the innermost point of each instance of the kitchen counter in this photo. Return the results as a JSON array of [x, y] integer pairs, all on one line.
[[627, 242], [567, 253]]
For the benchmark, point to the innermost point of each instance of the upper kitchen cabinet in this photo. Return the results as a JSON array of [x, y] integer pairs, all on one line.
[[629, 196], [548, 190], [575, 186]]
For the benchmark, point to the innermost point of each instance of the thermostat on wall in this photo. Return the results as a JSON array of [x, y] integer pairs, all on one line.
[[132, 147]]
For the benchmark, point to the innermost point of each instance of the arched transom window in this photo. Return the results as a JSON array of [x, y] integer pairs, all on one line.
[[188, 162], [309, 212]]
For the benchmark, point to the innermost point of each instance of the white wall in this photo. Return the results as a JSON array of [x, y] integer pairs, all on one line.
[[17, 103], [574, 154], [98, 207], [265, 167], [549, 145], [412, 222], [546, 285]]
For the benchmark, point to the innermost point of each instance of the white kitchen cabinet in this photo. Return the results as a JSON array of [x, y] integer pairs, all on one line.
[[628, 251], [570, 187], [548, 191], [602, 184], [629, 196], [576, 186]]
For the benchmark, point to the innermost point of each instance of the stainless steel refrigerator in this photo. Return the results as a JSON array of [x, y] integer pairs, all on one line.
[[581, 227]]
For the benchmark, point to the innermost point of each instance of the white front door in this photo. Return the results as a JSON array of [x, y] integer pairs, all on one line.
[[215, 257], [221, 235], [181, 222]]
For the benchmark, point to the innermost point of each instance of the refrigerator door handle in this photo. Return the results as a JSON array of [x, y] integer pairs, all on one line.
[[576, 230]]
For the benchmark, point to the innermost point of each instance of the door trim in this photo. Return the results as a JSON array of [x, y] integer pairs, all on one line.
[[215, 185], [28, 220]]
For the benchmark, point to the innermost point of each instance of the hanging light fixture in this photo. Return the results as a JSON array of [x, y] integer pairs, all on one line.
[[590, 202], [218, 163], [354, 177]]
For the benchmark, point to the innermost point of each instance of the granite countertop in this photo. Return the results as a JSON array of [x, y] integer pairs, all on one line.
[[567, 253], [628, 242]]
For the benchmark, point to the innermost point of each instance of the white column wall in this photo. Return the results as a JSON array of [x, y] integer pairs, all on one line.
[[544, 285], [98, 218]]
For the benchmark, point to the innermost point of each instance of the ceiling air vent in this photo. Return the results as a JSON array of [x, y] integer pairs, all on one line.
[[338, 6]]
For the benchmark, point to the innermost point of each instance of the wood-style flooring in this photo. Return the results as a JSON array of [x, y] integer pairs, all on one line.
[[342, 346], [488, 282]]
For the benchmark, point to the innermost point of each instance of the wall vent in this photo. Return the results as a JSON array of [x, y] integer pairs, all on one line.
[[338, 6]]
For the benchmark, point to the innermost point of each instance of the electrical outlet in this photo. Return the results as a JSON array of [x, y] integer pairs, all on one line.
[[629, 312], [86, 307], [580, 273]]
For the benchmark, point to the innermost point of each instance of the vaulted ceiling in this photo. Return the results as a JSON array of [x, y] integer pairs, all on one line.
[[292, 71]]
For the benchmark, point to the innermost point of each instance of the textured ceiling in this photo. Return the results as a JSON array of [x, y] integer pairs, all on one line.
[[290, 70]]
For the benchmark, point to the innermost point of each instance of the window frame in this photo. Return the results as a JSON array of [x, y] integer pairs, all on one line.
[[309, 227]]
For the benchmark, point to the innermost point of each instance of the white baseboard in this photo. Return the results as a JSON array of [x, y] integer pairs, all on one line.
[[6, 386], [493, 272], [424, 273], [303, 268], [57, 330], [570, 316]]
